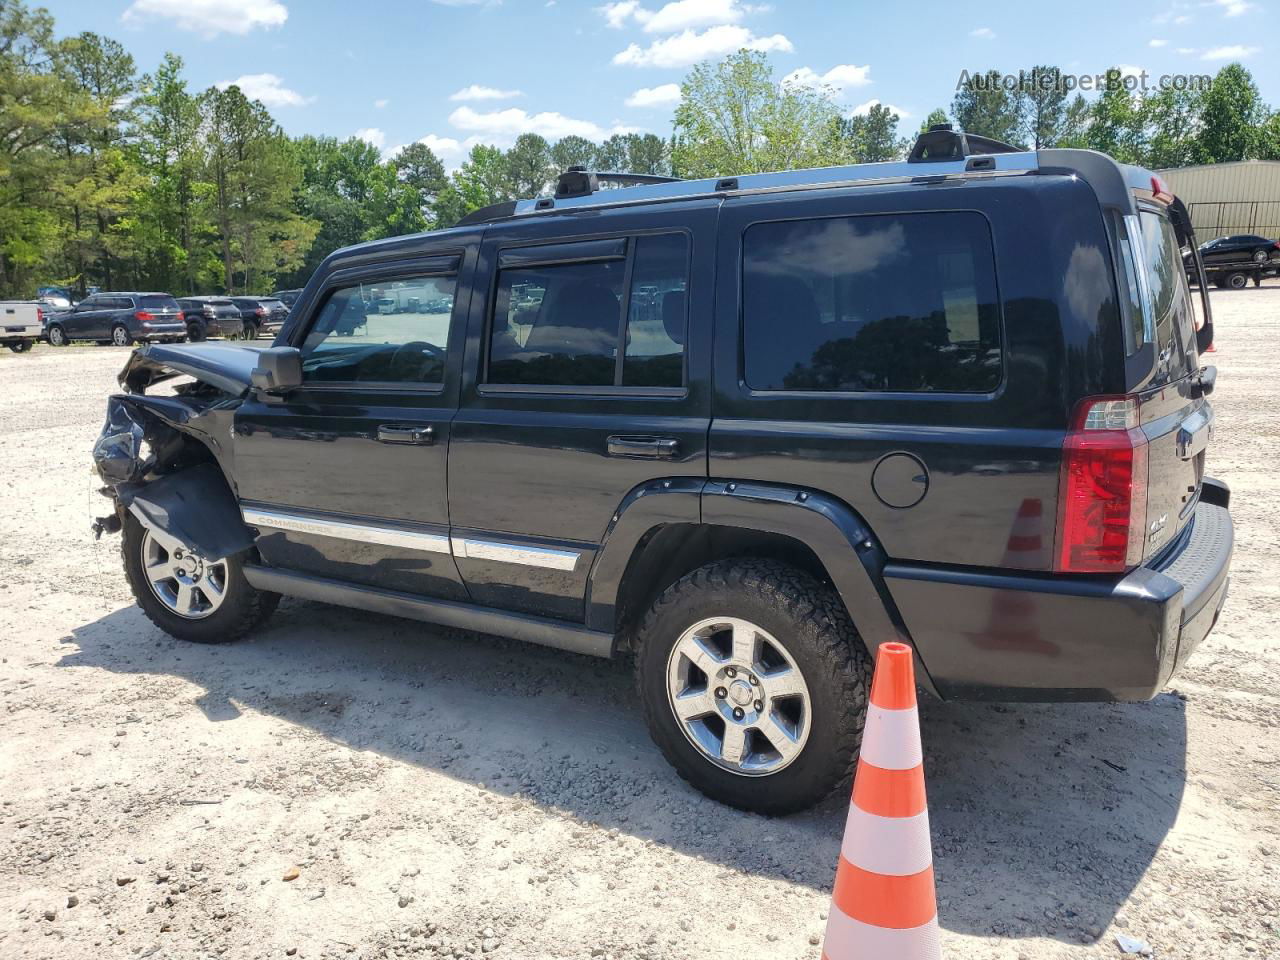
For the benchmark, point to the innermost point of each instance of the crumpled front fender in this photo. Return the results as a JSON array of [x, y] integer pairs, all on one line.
[[194, 506]]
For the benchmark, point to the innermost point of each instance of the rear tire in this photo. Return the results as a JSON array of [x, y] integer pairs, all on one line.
[[195, 332], [250, 331], [1237, 281], [1261, 256], [57, 336], [120, 336], [798, 626], [240, 609], [20, 346]]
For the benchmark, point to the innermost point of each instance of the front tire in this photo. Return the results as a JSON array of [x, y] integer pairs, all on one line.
[[186, 597], [754, 684]]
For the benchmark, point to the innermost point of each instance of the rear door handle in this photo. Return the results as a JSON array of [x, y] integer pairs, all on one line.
[[657, 448], [406, 433]]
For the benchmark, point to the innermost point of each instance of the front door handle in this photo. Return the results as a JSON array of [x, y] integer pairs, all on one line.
[[657, 448], [406, 433]]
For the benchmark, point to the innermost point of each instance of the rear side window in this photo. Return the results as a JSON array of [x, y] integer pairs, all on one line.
[[561, 324], [903, 302], [1170, 299]]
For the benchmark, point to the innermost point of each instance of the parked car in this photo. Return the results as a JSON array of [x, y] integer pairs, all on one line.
[[866, 409], [120, 319], [211, 317], [1246, 246], [21, 324], [261, 315], [288, 297]]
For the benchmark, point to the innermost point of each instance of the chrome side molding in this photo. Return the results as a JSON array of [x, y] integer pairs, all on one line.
[[464, 548]]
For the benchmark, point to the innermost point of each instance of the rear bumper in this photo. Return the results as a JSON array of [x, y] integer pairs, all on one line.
[[997, 636], [162, 331]]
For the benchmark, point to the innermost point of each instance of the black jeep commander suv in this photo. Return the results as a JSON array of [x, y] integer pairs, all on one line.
[[742, 429]]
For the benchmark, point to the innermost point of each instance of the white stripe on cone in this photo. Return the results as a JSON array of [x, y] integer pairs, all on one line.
[[891, 846], [847, 937], [891, 738]]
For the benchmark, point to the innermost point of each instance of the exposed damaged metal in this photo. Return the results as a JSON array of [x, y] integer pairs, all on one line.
[[160, 455]]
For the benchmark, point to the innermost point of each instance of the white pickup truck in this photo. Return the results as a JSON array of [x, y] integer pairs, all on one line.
[[21, 324]]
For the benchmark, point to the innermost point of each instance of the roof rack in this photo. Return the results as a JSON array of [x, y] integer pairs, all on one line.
[[942, 142], [654, 189]]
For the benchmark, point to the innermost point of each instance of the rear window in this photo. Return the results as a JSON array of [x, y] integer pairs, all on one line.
[[158, 303], [902, 302], [1170, 299]]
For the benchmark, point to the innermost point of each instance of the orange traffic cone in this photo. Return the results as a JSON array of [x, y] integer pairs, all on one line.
[[884, 906]]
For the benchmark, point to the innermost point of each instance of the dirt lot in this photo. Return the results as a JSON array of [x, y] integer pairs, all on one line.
[[444, 794]]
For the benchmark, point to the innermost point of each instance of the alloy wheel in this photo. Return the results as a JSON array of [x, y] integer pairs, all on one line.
[[738, 696], [187, 584]]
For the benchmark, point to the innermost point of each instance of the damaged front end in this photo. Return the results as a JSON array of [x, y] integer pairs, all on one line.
[[162, 458]]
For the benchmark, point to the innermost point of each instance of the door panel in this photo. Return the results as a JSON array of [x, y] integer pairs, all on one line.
[[345, 477], [536, 470]]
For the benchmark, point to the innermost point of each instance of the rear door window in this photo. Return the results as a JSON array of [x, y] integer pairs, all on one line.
[[901, 302]]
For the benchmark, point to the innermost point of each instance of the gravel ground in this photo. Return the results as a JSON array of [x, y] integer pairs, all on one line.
[[349, 785]]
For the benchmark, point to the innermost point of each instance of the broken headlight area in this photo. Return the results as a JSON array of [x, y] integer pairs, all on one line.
[[133, 443]]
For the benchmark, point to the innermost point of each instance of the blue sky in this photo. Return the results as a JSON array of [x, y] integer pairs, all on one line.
[[456, 72]]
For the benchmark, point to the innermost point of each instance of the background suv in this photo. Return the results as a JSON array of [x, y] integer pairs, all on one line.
[[1238, 249], [261, 315], [119, 318], [211, 317]]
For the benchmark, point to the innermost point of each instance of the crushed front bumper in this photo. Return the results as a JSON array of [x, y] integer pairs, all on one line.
[[1038, 637]]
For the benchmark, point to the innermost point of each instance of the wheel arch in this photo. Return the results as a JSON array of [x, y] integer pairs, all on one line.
[[667, 528]]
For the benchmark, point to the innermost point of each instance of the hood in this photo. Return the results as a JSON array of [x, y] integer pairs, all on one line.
[[220, 365]]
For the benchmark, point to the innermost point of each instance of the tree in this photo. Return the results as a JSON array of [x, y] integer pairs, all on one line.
[[734, 118], [936, 116], [1171, 119], [648, 153], [873, 136], [1268, 140], [480, 181], [1076, 117], [984, 106], [572, 151], [1116, 124], [1231, 113], [529, 167], [1045, 96], [422, 173]]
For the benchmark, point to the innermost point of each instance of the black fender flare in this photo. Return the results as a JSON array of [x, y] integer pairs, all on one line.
[[644, 510], [838, 536]]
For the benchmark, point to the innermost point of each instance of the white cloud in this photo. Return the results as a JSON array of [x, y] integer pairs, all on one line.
[[1129, 70], [1185, 51], [478, 92], [210, 17], [372, 135], [689, 47], [863, 109], [380, 104], [268, 88], [839, 78], [1233, 8], [1156, 43], [1174, 14], [616, 15], [513, 121], [983, 33], [662, 96], [684, 14], [1184, 19], [1236, 51]]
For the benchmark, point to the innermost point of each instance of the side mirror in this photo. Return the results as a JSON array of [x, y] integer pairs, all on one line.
[[279, 370]]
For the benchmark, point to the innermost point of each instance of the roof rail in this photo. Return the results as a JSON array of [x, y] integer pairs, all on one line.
[[941, 142]]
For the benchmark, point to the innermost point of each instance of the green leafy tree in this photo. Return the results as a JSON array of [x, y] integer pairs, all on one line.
[[733, 117], [648, 153], [1171, 119], [422, 173], [1232, 112], [572, 151], [936, 116], [529, 166], [1076, 117], [481, 180], [873, 136], [984, 106], [1268, 140], [1116, 125], [1045, 100]]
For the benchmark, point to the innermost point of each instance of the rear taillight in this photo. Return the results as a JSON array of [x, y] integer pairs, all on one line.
[[261, 311], [39, 315], [143, 316], [1102, 494]]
